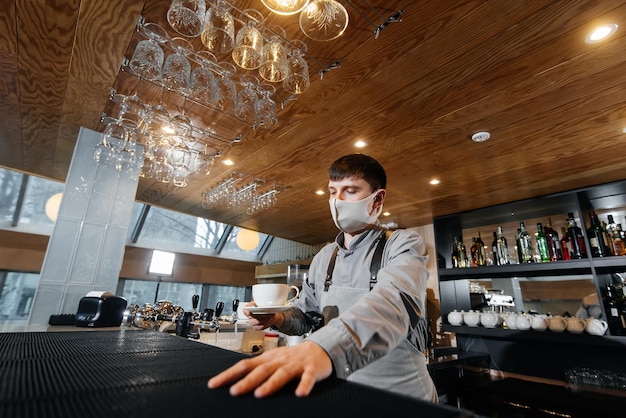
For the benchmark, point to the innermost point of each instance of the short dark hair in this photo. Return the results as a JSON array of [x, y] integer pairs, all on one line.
[[359, 166]]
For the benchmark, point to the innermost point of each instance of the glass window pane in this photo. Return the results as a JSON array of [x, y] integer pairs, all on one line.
[[226, 294], [38, 191], [139, 292], [10, 182], [17, 291], [180, 293], [134, 218], [173, 227]]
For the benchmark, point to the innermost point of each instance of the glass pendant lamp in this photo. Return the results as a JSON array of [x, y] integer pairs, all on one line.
[[285, 7]]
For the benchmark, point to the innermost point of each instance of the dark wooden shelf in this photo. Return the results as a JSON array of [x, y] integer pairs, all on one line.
[[557, 268], [542, 336]]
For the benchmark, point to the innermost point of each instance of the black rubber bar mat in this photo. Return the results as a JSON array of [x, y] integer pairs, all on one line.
[[92, 374]]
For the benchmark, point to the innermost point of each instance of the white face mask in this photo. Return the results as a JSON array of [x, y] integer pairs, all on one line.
[[352, 217]]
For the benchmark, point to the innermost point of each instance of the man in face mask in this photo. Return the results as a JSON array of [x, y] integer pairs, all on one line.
[[362, 308]]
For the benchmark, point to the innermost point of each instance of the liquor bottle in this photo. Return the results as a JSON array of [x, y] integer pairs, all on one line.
[[619, 244], [609, 228], [477, 251], [524, 245], [597, 239], [566, 247], [554, 245], [575, 235], [612, 309], [455, 253], [462, 254], [503, 249], [494, 248], [542, 244]]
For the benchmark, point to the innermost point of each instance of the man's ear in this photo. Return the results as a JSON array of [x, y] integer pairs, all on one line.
[[380, 197]]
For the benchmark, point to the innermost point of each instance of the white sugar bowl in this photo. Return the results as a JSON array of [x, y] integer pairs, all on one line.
[[471, 318], [455, 317], [489, 319]]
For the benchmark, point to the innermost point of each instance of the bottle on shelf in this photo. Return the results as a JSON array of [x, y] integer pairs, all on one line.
[[494, 248], [619, 244], [462, 254], [609, 229], [524, 245], [502, 249], [575, 235], [554, 244], [597, 237], [542, 244], [566, 247], [612, 307], [477, 252], [455, 253], [459, 254]]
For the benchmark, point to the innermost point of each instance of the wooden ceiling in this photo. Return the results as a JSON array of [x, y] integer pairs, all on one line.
[[555, 105]]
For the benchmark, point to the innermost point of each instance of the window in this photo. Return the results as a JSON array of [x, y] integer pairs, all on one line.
[[17, 291]]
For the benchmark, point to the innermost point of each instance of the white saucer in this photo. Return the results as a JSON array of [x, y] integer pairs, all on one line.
[[267, 309]]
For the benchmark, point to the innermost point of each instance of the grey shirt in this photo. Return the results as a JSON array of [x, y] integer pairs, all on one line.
[[379, 321]]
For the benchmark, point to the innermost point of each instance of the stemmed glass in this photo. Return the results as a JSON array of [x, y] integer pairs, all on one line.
[[274, 57], [247, 99], [225, 97], [147, 59], [177, 68], [324, 20], [266, 109], [248, 49], [186, 16], [202, 78], [297, 80], [218, 34]]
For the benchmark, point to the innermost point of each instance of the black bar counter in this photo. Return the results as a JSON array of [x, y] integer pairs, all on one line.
[[137, 374]]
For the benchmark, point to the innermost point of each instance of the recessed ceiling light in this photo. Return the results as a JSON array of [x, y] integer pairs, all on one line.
[[386, 213], [434, 182], [320, 192], [481, 136], [228, 162], [601, 33], [360, 144]]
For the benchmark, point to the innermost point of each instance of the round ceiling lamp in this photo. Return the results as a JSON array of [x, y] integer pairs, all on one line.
[[52, 206], [247, 240], [285, 7]]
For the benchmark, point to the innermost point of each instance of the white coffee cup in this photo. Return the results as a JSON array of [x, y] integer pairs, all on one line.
[[273, 294]]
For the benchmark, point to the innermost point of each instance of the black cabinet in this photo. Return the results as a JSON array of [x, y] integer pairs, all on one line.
[[545, 354]]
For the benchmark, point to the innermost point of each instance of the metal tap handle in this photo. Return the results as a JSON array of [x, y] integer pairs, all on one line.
[[218, 309], [194, 301], [235, 306]]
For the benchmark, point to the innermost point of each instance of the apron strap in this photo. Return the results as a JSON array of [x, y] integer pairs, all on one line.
[[376, 259], [374, 266], [331, 268]]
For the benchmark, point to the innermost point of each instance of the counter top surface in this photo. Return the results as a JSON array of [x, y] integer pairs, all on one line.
[[141, 373]]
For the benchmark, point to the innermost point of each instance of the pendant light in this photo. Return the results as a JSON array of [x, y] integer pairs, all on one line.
[[285, 7]]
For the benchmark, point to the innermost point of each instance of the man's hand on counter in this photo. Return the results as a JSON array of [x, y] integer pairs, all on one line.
[[267, 373]]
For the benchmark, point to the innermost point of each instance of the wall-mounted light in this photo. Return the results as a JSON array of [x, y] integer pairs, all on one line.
[[52, 206], [162, 263]]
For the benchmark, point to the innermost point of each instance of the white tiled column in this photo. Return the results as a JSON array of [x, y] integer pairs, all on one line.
[[86, 249]]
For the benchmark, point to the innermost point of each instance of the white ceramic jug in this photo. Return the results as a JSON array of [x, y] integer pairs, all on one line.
[[489, 319], [539, 323], [596, 326], [455, 317], [471, 318], [523, 322]]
